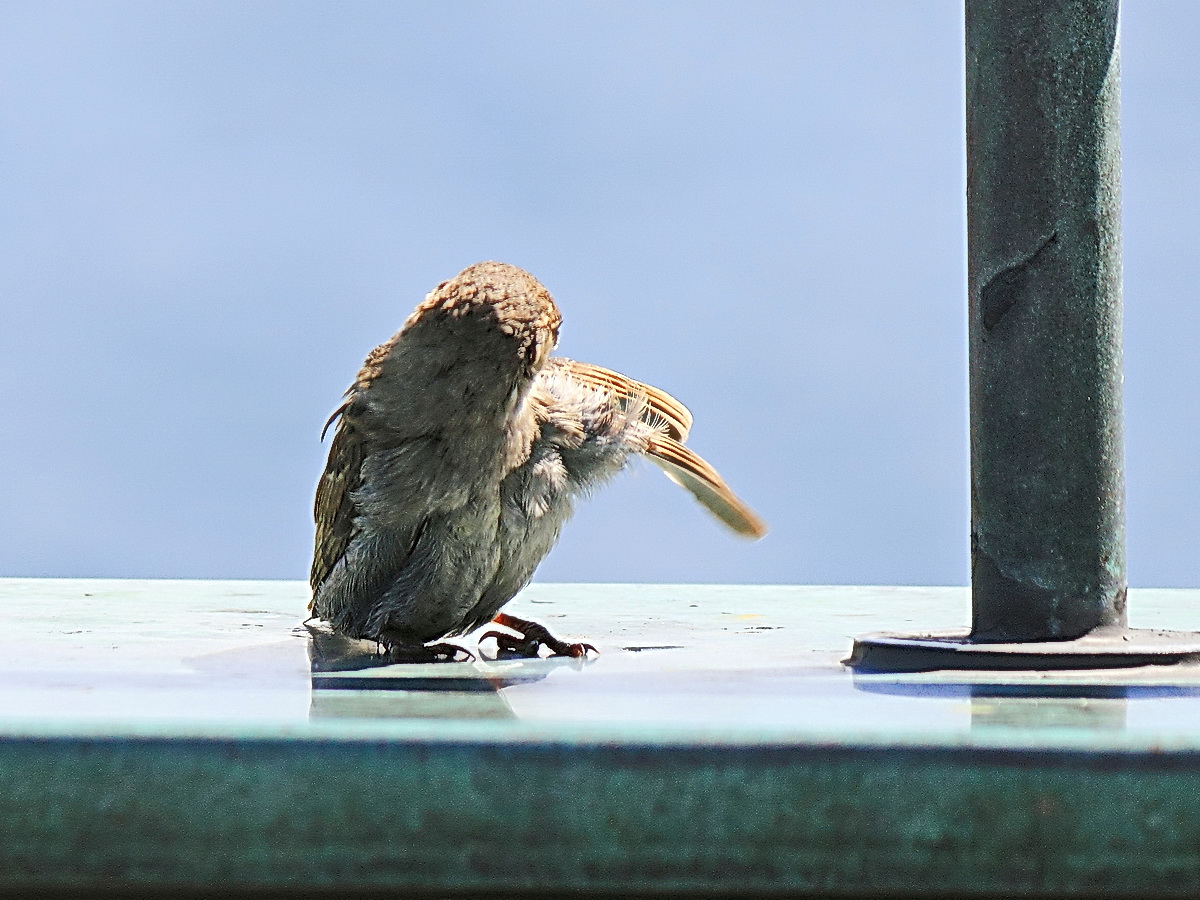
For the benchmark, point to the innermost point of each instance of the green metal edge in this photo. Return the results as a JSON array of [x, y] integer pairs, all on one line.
[[463, 817]]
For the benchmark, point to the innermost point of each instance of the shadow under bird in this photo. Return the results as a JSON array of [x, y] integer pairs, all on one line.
[[459, 452]]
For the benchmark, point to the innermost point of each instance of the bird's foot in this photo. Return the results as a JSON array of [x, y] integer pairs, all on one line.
[[531, 637], [424, 653], [447, 652]]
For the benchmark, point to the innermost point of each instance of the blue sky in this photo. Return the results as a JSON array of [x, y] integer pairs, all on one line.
[[212, 211]]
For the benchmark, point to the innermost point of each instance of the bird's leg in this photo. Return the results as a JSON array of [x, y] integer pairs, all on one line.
[[532, 637]]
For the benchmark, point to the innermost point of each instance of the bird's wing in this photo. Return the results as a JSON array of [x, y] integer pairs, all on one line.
[[689, 471], [676, 418], [671, 422], [333, 509]]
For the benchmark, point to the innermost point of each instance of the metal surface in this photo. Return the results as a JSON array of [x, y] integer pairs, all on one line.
[[173, 736]]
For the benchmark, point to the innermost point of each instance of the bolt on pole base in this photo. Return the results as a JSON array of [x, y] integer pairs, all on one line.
[[1102, 648]]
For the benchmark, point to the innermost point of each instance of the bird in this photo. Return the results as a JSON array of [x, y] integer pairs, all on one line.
[[460, 450]]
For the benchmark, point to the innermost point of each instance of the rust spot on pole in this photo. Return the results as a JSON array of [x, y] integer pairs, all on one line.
[[1004, 289]]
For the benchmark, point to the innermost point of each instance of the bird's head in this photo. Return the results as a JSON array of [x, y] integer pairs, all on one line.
[[495, 308]]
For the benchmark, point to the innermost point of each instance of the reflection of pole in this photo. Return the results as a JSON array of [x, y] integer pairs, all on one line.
[[1092, 708], [1044, 275]]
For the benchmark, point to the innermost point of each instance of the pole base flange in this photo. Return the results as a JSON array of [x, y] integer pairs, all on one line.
[[1104, 648]]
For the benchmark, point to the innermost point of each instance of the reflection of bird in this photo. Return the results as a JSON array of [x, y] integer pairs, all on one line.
[[459, 451]]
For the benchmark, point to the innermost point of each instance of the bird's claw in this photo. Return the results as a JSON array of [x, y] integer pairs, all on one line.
[[451, 652], [426, 653], [578, 650], [513, 644]]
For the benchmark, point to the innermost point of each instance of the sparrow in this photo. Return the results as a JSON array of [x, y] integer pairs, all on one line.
[[460, 450]]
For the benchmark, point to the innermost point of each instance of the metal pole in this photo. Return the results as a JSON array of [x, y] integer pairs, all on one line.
[[1044, 277], [1044, 300]]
